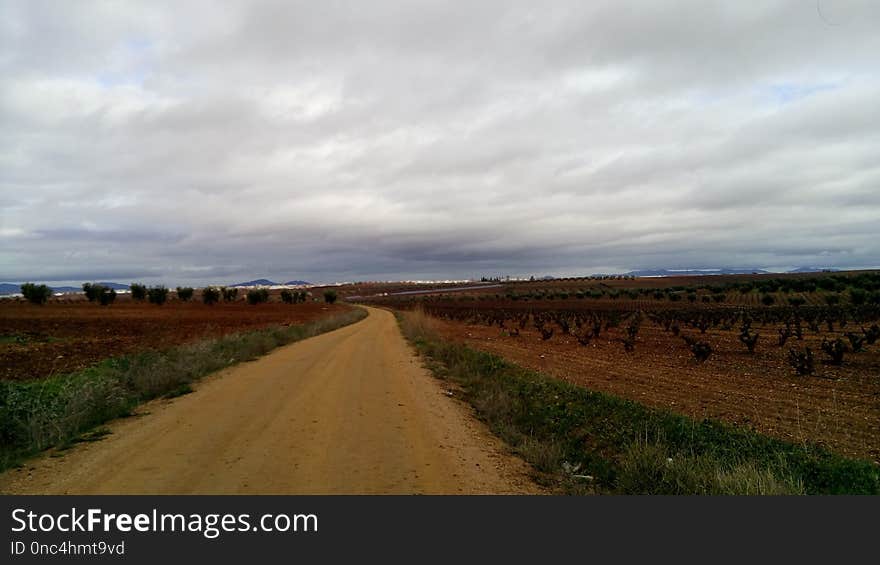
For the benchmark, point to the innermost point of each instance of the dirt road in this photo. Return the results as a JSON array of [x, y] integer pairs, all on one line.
[[350, 411]]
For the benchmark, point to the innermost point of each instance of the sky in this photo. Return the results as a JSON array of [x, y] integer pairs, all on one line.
[[211, 142]]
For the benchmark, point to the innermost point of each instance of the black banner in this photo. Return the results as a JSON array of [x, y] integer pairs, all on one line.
[[151, 529]]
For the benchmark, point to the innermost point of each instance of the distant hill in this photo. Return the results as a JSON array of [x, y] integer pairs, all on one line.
[[113, 285], [683, 272], [14, 288], [9, 288], [297, 283], [257, 282], [65, 289], [813, 270]]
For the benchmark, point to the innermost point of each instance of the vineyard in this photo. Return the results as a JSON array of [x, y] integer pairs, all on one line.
[[808, 370]]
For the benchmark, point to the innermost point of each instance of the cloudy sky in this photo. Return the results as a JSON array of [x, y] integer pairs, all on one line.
[[195, 142]]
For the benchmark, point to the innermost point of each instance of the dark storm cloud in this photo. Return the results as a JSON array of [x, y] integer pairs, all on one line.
[[196, 142]]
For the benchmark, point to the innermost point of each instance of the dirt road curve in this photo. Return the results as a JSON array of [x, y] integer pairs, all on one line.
[[351, 411]]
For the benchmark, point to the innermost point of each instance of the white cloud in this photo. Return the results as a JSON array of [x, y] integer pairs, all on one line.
[[339, 140]]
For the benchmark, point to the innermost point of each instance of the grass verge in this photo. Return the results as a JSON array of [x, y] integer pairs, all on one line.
[[36, 415], [587, 441]]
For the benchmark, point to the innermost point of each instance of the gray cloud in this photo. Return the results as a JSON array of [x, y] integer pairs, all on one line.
[[181, 142]]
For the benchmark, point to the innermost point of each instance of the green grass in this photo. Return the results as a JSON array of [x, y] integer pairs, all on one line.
[[620, 446], [56, 411], [12, 339], [181, 390], [24, 339]]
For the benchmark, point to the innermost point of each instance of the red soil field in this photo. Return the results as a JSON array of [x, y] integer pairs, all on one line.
[[60, 337], [838, 407]]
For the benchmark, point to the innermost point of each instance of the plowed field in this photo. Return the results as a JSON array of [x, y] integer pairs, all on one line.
[[38, 341]]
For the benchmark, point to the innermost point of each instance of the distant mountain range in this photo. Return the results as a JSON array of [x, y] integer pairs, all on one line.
[[814, 270], [683, 272], [7, 288], [65, 289], [12, 288], [257, 282], [113, 285], [722, 271], [267, 282]]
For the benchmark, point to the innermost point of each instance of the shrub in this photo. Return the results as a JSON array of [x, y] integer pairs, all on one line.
[[858, 296], [835, 350], [184, 293], [749, 339], [832, 299], [796, 301], [632, 332], [96, 292], [784, 334], [107, 296], [89, 291], [801, 360], [257, 296], [856, 341], [138, 291], [157, 295], [700, 349], [767, 300], [330, 296], [36, 293], [229, 294], [210, 295], [871, 334], [287, 296]]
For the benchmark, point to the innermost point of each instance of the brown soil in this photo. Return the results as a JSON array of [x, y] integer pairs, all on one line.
[[838, 407], [57, 338], [350, 411]]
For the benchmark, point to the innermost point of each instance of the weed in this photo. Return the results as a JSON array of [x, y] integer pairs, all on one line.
[[181, 390]]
